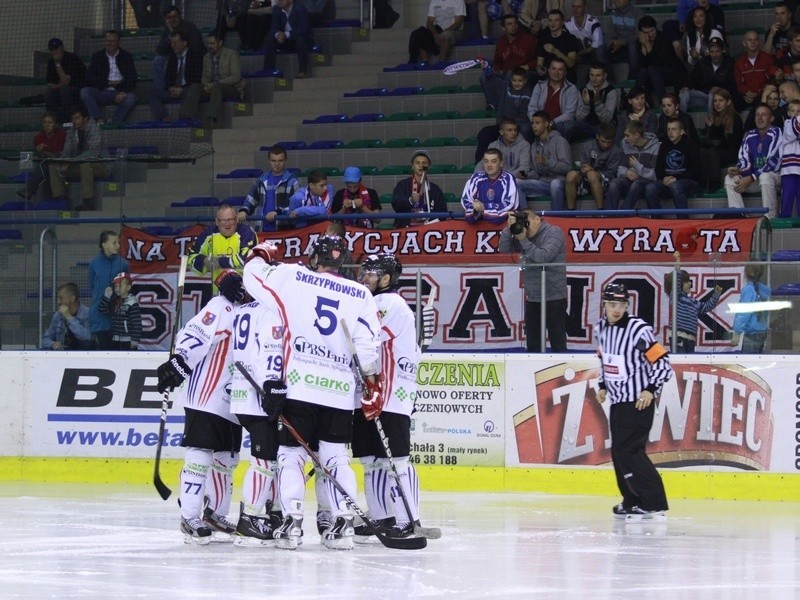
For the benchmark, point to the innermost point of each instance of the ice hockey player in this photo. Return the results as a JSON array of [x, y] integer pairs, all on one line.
[[318, 376], [212, 436], [400, 355]]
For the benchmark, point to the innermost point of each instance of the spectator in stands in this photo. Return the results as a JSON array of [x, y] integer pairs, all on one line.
[[257, 22], [66, 75], [678, 170], [313, 201], [514, 49], [777, 39], [491, 193], [540, 243], [688, 309], [385, 15], [290, 32], [790, 162], [784, 59], [532, 14], [724, 133], [588, 31], [659, 65], [515, 150], [598, 105], [231, 16], [123, 310], [637, 169], [48, 143], [555, 42], [513, 107], [103, 268], [172, 22], [417, 194], [147, 12], [623, 45], [600, 161], [271, 192], [69, 327], [321, 13], [222, 78], [182, 77], [757, 168], [442, 31], [84, 142], [223, 246], [637, 109], [773, 100], [753, 69], [551, 160], [714, 12], [670, 110], [709, 73], [356, 198], [110, 79], [699, 32], [558, 97]]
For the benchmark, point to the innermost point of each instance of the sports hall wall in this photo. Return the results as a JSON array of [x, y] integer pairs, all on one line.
[[727, 427]]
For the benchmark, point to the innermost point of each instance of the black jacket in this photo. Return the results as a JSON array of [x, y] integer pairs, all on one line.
[[97, 75], [681, 160], [192, 70], [72, 65], [703, 77], [402, 204]]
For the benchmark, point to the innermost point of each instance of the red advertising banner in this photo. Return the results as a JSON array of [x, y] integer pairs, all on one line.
[[597, 240]]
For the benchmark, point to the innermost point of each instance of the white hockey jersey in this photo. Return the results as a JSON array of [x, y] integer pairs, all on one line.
[[205, 344], [399, 353], [313, 306], [258, 345]]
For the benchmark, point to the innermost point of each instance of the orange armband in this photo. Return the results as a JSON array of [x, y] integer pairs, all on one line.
[[655, 352]]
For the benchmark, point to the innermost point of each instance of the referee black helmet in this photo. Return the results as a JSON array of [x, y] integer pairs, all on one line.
[[615, 292]]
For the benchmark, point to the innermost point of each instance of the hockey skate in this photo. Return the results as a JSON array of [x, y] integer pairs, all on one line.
[[290, 534], [638, 515], [363, 535], [221, 526], [254, 530], [340, 535], [324, 521], [620, 511], [195, 531]]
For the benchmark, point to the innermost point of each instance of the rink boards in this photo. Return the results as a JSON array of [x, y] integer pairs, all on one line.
[[727, 426]]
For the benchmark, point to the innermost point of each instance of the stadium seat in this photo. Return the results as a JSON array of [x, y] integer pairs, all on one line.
[[235, 201], [325, 145], [325, 119], [368, 169], [367, 92], [241, 174], [444, 89], [404, 116], [286, 145], [438, 142], [10, 234], [366, 118], [437, 169], [197, 201], [355, 144], [406, 91], [396, 170], [440, 115], [401, 143]]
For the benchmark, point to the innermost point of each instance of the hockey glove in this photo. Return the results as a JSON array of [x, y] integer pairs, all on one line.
[[172, 373], [229, 283], [372, 400], [266, 250], [428, 322], [273, 398]]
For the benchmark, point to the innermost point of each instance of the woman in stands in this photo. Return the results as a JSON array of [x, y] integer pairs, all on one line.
[[725, 130], [637, 108], [698, 32], [670, 110]]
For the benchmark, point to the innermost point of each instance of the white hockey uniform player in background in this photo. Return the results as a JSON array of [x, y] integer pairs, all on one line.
[[212, 436], [258, 345], [318, 375], [400, 356]]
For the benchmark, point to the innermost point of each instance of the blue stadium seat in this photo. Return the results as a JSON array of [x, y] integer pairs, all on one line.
[[406, 91], [366, 118], [16, 205], [263, 73], [324, 119], [10, 234], [241, 174], [197, 201], [286, 145], [325, 145], [367, 92]]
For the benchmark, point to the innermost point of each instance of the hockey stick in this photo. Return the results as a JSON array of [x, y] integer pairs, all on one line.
[[465, 64], [162, 488], [412, 543], [432, 532]]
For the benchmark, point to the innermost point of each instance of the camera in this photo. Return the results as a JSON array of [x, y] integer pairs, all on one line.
[[521, 224]]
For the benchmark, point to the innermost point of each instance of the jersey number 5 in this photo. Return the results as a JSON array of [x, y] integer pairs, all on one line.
[[326, 318]]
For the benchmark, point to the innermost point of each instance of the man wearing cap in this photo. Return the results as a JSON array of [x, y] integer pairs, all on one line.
[[66, 75], [356, 198], [709, 72], [417, 194], [633, 370]]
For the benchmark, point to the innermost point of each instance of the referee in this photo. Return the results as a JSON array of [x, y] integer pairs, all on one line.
[[634, 369]]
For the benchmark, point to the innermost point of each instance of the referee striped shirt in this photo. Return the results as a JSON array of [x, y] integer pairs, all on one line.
[[631, 359]]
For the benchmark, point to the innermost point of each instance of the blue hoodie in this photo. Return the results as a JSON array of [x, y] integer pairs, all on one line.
[[103, 269]]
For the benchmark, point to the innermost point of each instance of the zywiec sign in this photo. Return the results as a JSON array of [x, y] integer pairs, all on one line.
[[717, 415]]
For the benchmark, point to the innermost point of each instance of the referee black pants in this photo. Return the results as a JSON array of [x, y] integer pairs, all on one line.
[[637, 478]]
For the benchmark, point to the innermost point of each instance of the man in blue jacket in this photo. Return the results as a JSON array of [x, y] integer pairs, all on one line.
[[313, 201], [291, 32], [269, 196], [102, 270]]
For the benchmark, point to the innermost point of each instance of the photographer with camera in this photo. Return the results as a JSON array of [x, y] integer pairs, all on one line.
[[540, 243]]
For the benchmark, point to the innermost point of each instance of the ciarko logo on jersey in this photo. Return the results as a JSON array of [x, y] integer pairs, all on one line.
[[335, 386]]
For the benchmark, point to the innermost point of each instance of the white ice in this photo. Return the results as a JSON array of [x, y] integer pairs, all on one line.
[[73, 541]]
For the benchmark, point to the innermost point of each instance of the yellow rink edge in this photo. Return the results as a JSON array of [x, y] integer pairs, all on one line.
[[597, 482]]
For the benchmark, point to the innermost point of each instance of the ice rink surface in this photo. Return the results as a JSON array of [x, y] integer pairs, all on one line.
[[73, 541]]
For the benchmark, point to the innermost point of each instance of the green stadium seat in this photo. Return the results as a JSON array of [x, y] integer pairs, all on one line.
[[401, 143], [468, 168], [368, 170], [396, 170], [362, 144], [438, 142], [444, 89], [474, 89], [404, 116], [470, 141], [479, 114], [441, 169], [440, 115]]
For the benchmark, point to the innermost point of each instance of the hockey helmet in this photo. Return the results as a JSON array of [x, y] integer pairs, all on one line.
[[615, 292], [230, 285], [383, 264], [328, 251]]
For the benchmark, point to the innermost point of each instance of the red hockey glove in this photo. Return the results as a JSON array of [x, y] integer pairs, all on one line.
[[372, 399]]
